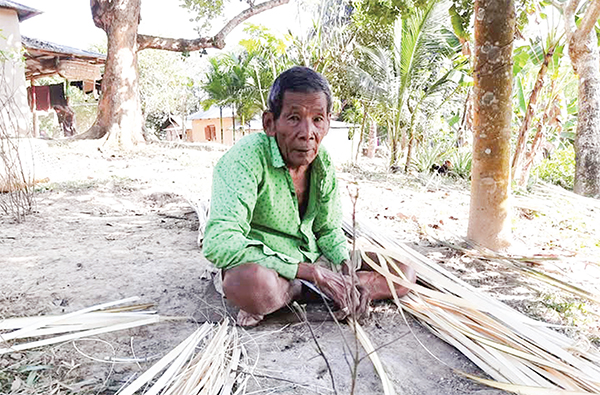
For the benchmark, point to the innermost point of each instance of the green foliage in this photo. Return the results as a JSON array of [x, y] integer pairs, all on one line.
[[461, 160], [461, 12], [426, 156], [205, 11], [240, 79], [270, 58], [405, 79], [437, 153], [386, 12], [572, 311], [524, 9], [559, 169], [166, 85]]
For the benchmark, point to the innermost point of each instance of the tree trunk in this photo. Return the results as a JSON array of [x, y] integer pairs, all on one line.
[[233, 124], [411, 136], [372, 138], [585, 58], [221, 118], [519, 175], [119, 116], [466, 119], [362, 130], [119, 111], [393, 153], [536, 146], [489, 217]]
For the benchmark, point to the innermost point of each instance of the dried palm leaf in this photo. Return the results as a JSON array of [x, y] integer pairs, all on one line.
[[515, 350], [212, 370], [85, 322]]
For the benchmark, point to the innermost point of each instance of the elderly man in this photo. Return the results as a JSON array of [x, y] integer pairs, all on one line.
[[276, 212]]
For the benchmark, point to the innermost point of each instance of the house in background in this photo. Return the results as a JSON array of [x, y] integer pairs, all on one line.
[[206, 126], [42, 59], [174, 131], [81, 69], [14, 114]]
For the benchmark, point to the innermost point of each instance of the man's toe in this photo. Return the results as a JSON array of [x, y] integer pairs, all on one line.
[[246, 319]]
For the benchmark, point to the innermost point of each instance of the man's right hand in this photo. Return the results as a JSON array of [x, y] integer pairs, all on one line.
[[342, 289]]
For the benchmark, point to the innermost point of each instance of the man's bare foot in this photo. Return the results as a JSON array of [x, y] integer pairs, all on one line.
[[246, 319]]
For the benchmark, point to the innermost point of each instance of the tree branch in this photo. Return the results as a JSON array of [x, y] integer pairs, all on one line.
[[174, 44], [99, 13], [589, 19], [569, 9], [217, 41]]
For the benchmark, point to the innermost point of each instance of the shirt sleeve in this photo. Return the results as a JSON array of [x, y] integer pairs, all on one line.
[[328, 223], [234, 195]]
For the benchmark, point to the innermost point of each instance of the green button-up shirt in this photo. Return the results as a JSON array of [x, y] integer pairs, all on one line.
[[254, 215]]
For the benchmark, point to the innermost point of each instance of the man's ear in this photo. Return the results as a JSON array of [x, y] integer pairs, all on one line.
[[269, 123]]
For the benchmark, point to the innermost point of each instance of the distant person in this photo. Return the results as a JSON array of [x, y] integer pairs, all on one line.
[[275, 215]]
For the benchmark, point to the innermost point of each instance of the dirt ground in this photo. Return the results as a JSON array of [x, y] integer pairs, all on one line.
[[110, 225]]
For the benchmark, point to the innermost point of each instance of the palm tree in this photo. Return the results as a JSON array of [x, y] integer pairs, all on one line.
[[216, 87], [228, 83], [401, 78]]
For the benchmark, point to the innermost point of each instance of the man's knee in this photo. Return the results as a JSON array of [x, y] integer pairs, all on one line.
[[254, 288]]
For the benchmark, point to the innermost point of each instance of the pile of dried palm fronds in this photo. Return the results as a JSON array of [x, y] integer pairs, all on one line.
[[207, 362], [519, 353], [90, 321]]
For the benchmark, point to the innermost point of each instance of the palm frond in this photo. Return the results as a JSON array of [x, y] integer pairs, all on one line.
[[520, 354]]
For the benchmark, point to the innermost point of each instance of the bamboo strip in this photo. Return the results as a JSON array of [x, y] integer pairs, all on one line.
[[78, 335], [45, 321], [388, 386], [165, 361]]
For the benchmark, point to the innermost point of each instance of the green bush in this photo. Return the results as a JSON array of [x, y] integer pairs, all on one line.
[[559, 169], [426, 156], [462, 160]]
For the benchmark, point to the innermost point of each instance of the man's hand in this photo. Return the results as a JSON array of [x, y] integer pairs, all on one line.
[[342, 289]]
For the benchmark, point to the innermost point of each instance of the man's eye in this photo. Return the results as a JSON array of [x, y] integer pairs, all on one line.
[[294, 118], [318, 119]]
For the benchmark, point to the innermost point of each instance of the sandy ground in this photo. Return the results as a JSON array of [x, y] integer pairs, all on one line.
[[110, 225]]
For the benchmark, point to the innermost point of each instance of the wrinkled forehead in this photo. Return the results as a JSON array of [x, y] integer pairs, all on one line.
[[315, 101]]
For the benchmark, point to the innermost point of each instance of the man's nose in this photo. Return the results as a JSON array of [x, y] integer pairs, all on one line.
[[307, 130]]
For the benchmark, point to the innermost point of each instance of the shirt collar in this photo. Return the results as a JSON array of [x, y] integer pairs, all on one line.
[[276, 158]]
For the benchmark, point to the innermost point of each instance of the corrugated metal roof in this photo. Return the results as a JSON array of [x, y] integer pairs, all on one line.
[[35, 43], [212, 113], [23, 11]]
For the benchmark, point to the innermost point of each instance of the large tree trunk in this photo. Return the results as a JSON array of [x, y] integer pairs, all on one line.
[[585, 58], [489, 217], [119, 111], [119, 116]]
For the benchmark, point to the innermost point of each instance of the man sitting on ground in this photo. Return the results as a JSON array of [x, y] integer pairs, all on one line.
[[275, 210]]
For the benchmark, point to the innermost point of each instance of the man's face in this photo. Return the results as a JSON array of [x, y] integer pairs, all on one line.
[[300, 128]]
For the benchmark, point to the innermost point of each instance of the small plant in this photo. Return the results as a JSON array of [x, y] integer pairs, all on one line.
[[558, 169], [462, 160], [427, 156], [572, 311]]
